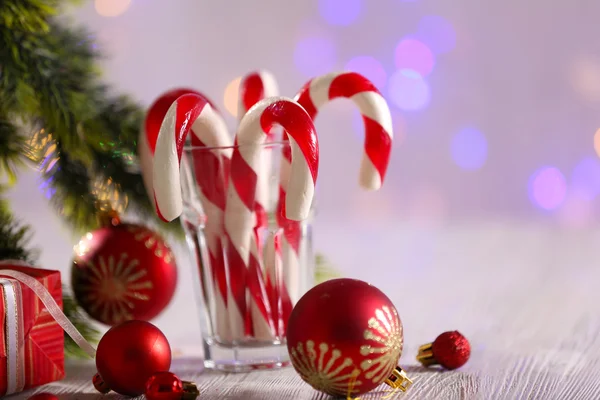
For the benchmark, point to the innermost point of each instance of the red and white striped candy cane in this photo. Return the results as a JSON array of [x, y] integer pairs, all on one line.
[[194, 112], [377, 147], [239, 210], [255, 87], [281, 304], [149, 132]]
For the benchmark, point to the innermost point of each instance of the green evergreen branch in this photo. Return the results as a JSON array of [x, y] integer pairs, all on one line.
[[48, 76], [324, 271], [12, 144], [14, 237]]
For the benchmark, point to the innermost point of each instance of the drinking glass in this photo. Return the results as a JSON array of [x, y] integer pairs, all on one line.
[[278, 277]]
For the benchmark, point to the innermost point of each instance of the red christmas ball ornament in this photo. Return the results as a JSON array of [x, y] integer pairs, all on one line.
[[123, 272], [451, 350], [167, 386], [129, 354], [164, 386], [99, 384], [147, 141], [345, 337]]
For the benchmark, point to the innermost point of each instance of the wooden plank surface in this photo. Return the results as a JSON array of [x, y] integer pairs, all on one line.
[[527, 299]]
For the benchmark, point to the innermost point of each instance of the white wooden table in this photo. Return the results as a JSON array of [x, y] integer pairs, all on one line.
[[527, 299]]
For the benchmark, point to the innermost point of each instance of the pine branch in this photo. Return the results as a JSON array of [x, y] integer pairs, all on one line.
[[14, 237], [11, 149], [48, 76], [324, 270]]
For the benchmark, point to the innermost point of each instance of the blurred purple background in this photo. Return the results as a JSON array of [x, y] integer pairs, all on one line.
[[495, 105]]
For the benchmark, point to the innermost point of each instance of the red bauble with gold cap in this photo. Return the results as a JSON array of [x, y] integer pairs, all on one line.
[[129, 354], [345, 337], [123, 272]]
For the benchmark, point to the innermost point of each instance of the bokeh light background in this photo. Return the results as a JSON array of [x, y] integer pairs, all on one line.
[[496, 109]]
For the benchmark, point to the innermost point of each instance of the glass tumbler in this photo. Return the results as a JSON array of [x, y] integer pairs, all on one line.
[[248, 278]]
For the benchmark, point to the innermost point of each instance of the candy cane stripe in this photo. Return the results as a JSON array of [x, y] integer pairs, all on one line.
[[289, 120], [255, 87], [348, 84], [372, 105]]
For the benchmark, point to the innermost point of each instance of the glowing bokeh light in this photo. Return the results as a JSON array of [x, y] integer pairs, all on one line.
[[547, 188], [597, 142], [315, 56], [231, 96], [340, 12], [369, 67], [577, 210], [437, 33], [408, 90], [585, 78], [414, 55], [469, 149], [111, 8], [585, 178]]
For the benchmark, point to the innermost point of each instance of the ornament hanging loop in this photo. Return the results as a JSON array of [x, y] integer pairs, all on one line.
[[399, 380]]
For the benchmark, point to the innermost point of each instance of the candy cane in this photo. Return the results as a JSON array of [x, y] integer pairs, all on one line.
[[281, 304], [378, 143], [255, 87], [194, 112], [149, 132], [239, 210]]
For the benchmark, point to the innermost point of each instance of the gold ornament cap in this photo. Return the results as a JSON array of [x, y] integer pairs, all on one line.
[[399, 380], [425, 355], [106, 215], [190, 391]]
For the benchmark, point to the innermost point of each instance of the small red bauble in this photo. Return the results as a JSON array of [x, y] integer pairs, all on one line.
[[123, 272], [344, 337], [129, 354], [450, 349], [164, 386], [43, 396], [99, 384]]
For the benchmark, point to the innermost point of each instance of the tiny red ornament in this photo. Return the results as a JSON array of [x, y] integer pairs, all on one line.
[[345, 338], [99, 384], [164, 386], [129, 354], [43, 396], [123, 272], [168, 386], [450, 349]]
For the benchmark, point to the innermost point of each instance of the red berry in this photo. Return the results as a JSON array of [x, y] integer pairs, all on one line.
[[451, 350]]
